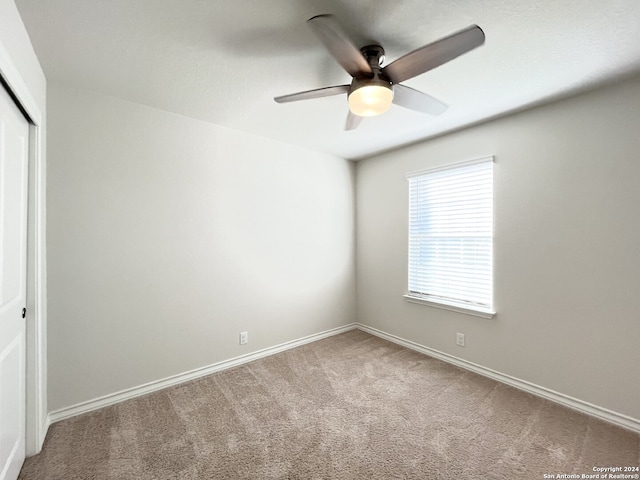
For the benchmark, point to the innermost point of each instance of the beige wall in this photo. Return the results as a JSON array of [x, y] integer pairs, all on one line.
[[15, 42], [168, 236], [567, 247]]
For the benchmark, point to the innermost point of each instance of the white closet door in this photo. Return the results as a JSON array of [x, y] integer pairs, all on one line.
[[14, 156]]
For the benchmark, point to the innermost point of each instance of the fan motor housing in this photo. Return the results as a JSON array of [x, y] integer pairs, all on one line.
[[377, 80]]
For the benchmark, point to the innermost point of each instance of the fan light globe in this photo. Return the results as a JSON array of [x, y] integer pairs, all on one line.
[[370, 100]]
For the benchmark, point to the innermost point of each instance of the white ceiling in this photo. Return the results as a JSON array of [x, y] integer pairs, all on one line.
[[224, 61]]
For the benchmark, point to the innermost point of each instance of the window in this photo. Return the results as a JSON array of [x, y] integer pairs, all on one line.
[[451, 237]]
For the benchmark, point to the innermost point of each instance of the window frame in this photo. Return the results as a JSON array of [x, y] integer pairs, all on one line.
[[445, 303]]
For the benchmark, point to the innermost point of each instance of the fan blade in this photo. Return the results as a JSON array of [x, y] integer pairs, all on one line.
[[316, 93], [416, 100], [353, 121], [337, 42], [435, 54]]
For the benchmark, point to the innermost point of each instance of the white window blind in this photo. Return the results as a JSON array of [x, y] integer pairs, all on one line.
[[451, 235]]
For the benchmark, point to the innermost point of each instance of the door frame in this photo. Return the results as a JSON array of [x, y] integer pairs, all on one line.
[[37, 419]]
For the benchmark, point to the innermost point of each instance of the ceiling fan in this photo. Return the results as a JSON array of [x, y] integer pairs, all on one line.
[[374, 88]]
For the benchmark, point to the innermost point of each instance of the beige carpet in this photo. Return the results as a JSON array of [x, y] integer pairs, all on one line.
[[351, 406]]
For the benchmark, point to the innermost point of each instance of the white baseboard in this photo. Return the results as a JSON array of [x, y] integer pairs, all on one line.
[[560, 398], [150, 387], [573, 403]]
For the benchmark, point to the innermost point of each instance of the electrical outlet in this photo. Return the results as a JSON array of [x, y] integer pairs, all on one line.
[[460, 339], [244, 338]]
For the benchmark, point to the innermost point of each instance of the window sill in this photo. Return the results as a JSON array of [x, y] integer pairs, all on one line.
[[475, 311]]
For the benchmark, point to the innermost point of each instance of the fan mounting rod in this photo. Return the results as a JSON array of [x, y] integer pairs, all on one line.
[[374, 55]]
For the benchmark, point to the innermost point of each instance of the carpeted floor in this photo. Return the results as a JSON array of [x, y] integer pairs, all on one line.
[[351, 406]]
